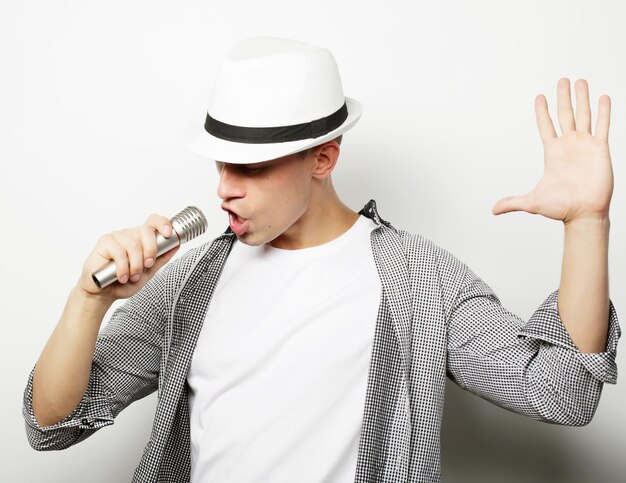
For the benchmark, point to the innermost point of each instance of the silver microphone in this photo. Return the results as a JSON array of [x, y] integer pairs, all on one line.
[[186, 225]]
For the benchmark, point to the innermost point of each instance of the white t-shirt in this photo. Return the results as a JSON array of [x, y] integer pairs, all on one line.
[[278, 378]]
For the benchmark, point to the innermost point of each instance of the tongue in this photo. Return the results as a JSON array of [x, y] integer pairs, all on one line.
[[237, 224]]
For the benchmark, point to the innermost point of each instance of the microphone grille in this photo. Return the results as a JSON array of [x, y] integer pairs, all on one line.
[[189, 223]]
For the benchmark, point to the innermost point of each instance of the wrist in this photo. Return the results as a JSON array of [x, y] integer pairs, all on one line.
[[593, 221], [96, 304], [591, 231]]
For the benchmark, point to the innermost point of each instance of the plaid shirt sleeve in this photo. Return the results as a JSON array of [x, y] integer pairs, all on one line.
[[533, 367], [125, 368]]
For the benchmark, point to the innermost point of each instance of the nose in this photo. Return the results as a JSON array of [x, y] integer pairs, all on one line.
[[230, 185]]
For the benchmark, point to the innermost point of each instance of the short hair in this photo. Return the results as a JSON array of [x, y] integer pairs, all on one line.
[[304, 154], [338, 139]]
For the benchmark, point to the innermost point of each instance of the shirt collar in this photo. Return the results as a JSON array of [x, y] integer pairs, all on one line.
[[371, 211]]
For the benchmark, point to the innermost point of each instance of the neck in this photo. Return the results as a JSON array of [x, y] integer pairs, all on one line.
[[325, 219]]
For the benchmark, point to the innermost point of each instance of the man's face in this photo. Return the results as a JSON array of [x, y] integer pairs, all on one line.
[[265, 200]]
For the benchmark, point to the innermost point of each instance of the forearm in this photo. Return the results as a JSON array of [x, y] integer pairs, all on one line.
[[583, 301], [62, 372]]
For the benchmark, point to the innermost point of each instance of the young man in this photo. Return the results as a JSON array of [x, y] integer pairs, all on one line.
[[310, 342]]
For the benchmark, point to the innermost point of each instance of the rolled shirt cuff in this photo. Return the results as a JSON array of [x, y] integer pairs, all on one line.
[[546, 325]]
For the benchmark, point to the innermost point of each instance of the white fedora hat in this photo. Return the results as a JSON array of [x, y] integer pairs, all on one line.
[[273, 97]]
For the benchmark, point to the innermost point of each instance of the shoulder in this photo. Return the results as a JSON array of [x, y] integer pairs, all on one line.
[[424, 259], [419, 249]]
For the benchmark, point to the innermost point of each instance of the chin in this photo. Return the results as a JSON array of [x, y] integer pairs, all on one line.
[[250, 239]]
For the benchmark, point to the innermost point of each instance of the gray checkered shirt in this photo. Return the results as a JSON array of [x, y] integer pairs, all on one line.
[[436, 318]]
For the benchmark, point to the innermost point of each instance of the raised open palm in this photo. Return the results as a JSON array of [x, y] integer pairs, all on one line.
[[577, 182]]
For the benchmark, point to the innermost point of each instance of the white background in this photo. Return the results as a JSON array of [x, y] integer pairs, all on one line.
[[95, 95]]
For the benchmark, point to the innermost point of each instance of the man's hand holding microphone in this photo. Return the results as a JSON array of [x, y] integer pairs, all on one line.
[[129, 257], [133, 251]]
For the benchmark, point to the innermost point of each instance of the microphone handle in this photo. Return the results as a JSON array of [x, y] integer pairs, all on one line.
[[106, 275]]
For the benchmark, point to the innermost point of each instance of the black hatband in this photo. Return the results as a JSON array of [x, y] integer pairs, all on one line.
[[281, 134]]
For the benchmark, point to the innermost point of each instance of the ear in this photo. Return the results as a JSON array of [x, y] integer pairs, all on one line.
[[326, 156]]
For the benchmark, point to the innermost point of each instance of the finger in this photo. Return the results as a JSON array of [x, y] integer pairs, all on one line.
[[131, 242], [512, 203], [583, 110], [544, 122], [110, 249], [148, 240], [564, 106], [604, 118], [158, 264], [160, 224]]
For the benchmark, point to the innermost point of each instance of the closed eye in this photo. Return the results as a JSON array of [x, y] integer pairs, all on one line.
[[243, 169], [252, 169]]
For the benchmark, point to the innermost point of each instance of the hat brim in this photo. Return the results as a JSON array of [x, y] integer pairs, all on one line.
[[199, 141]]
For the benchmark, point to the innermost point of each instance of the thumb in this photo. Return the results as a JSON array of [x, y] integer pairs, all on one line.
[[511, 203]]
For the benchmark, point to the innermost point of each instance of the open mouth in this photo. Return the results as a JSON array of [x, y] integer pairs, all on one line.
[[238, 224]]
